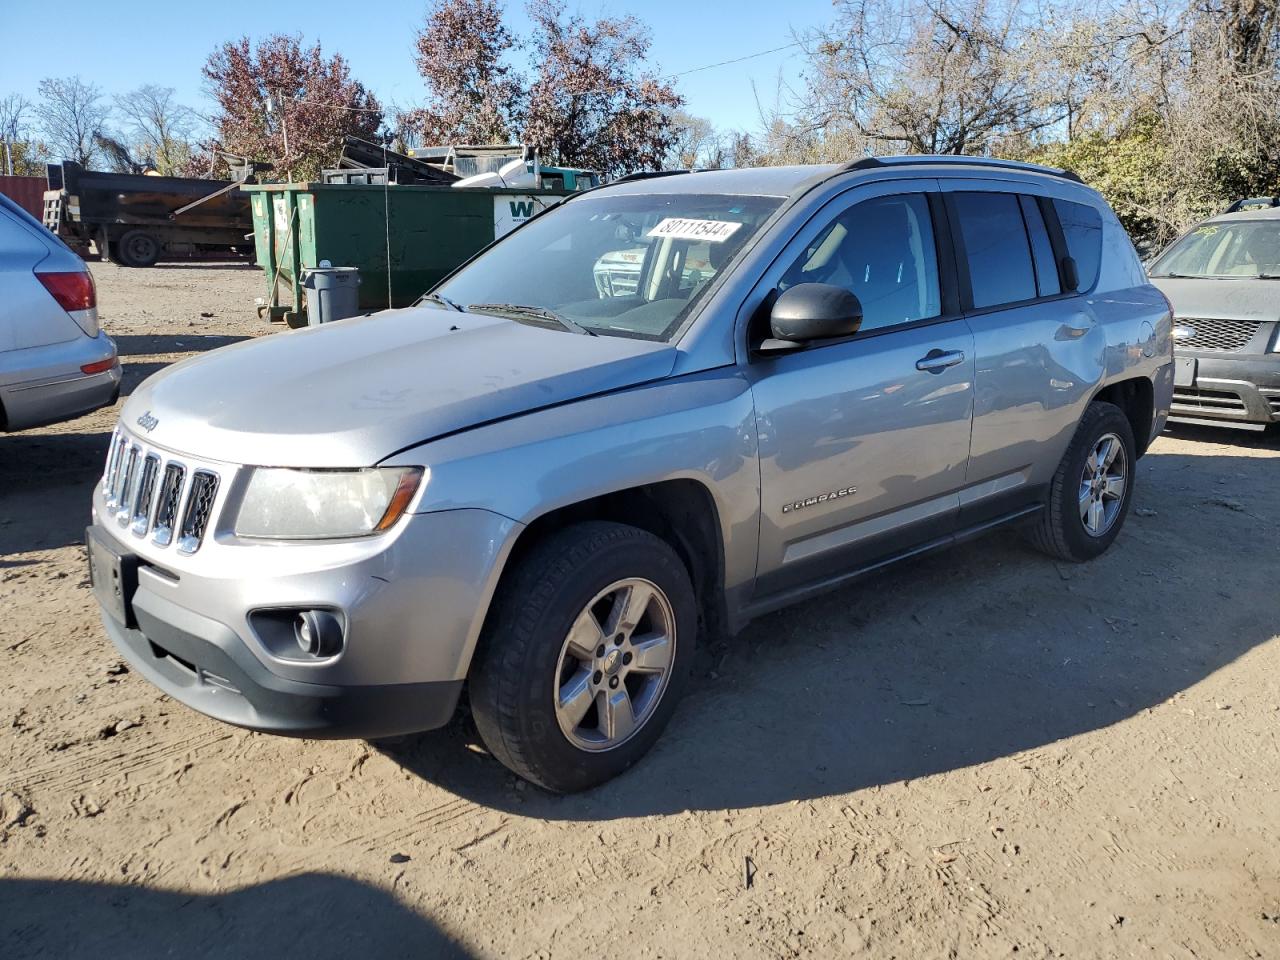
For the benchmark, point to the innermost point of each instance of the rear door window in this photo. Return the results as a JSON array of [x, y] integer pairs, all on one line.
[[995, 248], [1082, 227]]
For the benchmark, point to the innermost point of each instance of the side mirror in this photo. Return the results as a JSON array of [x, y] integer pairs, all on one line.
[[1070, 275], [809, 312]]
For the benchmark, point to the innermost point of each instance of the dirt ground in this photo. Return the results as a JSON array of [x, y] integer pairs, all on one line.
[[982, 753]]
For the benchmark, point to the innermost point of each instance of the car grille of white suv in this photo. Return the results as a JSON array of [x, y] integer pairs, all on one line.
[[148, 492], [1227, 336]]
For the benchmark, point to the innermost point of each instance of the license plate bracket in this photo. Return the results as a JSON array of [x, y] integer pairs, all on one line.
[[113, 576], [1184, 371]]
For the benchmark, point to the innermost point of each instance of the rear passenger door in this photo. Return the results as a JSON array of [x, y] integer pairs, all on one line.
[[1038, 348]]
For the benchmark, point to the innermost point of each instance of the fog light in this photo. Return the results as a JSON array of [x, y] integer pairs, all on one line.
[[318, 632]]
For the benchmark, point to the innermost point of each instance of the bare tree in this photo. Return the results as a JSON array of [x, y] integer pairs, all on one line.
[[698, 145], [930, 76], [71, 111], [15, 114], [160, 127]]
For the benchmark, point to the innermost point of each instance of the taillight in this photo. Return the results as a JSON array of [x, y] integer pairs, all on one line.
[[99, 366], [73, 291]]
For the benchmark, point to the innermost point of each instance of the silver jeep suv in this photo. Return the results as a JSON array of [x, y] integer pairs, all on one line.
[[654, 412]]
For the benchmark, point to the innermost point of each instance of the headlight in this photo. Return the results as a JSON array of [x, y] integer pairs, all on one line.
[[283, 504]]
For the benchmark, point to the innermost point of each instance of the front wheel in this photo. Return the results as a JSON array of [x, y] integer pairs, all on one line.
[[1090, 492], [584, 656]]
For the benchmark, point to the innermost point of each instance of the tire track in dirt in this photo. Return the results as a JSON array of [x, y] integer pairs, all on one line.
[[78, 770]]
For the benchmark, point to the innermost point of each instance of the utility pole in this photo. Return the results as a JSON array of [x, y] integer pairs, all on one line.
[[284, 129]]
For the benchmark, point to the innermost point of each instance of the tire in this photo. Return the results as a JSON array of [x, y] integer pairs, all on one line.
[[1083, 514], [137, 248], [526, 661]]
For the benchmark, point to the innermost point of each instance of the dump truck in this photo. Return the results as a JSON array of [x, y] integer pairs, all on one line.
[[138, 219]]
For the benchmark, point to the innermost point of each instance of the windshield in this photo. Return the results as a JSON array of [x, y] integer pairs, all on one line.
[[622, 265], [1238, 248]]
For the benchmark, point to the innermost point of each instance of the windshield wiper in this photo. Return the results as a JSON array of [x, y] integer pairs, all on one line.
[[1267, 276], [522, 312], [443, 301]]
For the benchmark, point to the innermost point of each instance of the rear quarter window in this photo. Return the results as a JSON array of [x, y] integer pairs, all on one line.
[[1082, 227]]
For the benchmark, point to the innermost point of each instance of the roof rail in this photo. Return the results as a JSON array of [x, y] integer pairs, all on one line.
[[648, 175], [908, 160], [1252, 202]]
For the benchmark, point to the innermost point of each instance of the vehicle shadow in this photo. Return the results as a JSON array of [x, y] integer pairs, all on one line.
[[310, 915], [143, 345], [134, 373], [1268, 439], [245, 263], [46, 480], [984, 651]]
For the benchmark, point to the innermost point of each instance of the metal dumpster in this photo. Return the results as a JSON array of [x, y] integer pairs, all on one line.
[[403, 238]]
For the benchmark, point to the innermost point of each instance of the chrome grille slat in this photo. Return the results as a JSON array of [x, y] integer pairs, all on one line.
[[1211, 333], [146, 489], [199, 510], [116, 465], [113, 463], [128, 483], [167, 503], [151, 493]]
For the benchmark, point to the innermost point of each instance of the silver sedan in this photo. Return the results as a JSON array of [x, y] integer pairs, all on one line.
[[55, 363]]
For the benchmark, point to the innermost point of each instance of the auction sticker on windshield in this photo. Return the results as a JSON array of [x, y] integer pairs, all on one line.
[[682, 228]]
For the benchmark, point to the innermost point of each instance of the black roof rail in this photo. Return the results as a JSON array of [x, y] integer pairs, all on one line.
[[1252, 202], [648, 175], [907, 160]]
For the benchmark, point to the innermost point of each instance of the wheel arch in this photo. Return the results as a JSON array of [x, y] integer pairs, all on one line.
[[1136, 397], [681, 511]]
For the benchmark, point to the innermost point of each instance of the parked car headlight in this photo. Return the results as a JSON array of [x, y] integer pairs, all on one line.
[[287, 504]]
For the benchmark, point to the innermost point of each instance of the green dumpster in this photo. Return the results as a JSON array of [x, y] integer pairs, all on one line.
[[403, 238]]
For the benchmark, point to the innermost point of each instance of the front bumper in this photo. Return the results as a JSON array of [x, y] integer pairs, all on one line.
[[204, 664], [1240, 390], [205, 628]]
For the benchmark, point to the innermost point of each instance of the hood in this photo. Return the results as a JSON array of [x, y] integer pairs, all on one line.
[[353, 392], [1245, 298]]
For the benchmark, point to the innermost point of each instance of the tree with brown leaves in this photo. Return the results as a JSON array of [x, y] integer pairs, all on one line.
[[588, 99], [592, 103], [281, 92], [473, 96]]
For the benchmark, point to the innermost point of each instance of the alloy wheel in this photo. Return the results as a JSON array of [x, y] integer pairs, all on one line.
[[614, 665], [1102, 485]]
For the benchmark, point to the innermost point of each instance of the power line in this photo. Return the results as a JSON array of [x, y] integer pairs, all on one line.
[[670, 76]]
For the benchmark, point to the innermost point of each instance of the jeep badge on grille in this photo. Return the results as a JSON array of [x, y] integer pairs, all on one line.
[[147, 422]]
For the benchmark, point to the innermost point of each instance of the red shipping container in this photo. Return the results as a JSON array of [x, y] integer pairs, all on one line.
[[26, 192]]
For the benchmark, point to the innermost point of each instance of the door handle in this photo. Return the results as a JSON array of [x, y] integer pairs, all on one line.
[[935, 361]]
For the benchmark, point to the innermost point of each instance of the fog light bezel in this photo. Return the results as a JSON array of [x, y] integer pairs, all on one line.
[[276, 629]]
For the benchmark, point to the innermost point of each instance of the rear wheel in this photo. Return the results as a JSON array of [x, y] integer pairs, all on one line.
[[137, 248], [584, 656], [1090, 493]]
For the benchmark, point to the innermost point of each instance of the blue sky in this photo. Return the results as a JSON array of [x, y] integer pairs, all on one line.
[[125, 44]]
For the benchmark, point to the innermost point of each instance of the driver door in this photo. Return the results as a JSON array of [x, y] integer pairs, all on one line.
[[864, 442]]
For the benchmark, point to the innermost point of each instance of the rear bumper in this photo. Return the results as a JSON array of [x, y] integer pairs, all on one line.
[[50, 387], [1231, 390]]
